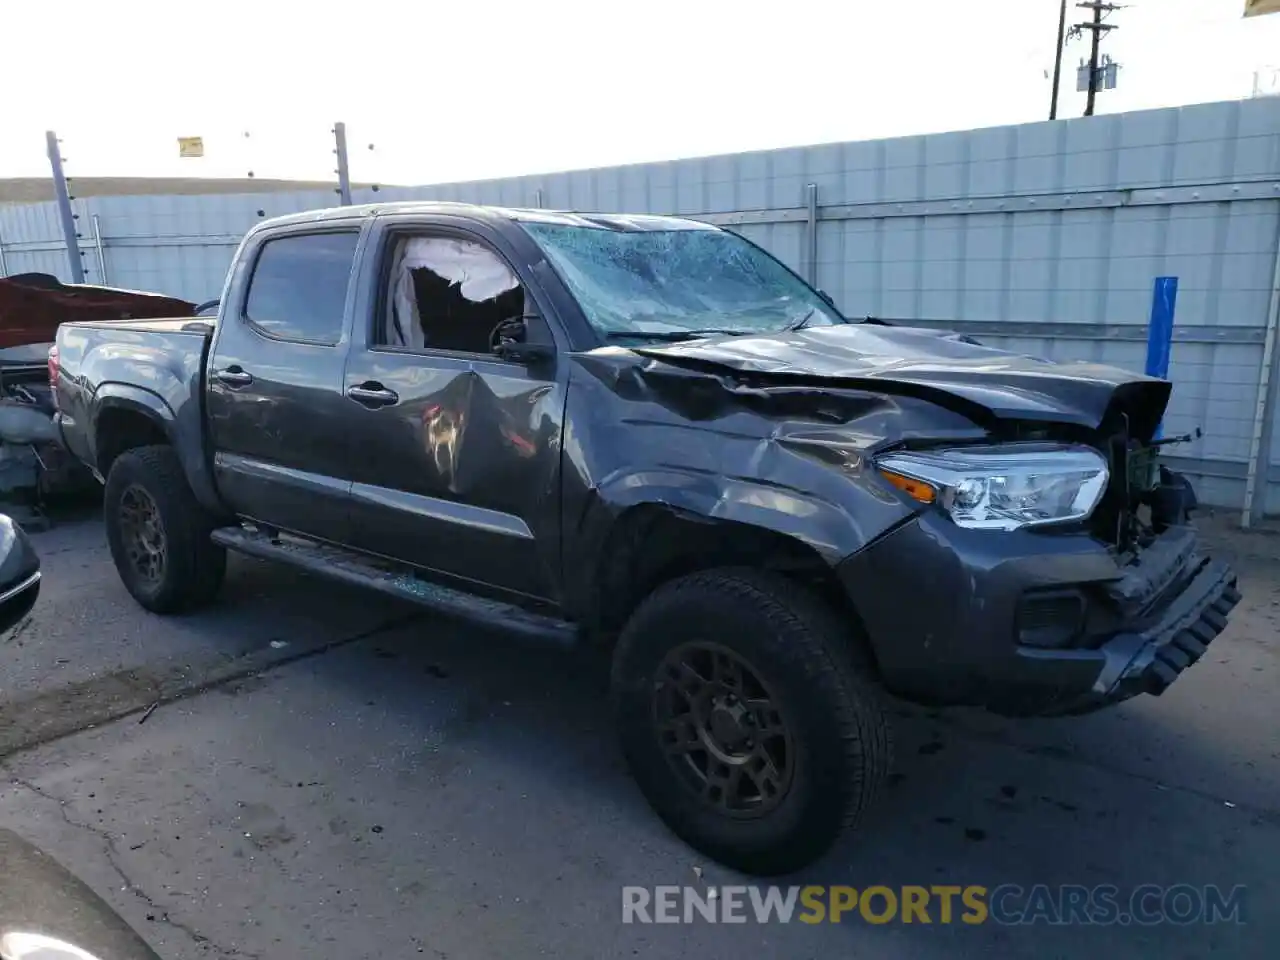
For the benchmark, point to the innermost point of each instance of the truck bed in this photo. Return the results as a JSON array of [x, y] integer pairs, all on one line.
[[153, 366]]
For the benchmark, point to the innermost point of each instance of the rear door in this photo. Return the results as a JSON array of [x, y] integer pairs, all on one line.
[[457, 467], [275, 401]]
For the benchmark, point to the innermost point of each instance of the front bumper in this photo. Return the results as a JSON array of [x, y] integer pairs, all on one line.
[[945, 611]]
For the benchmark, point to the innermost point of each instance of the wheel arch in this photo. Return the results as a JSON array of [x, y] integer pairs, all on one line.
[[652, 543], [127, 416]]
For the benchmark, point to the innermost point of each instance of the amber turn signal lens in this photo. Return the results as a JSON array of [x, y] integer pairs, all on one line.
[[916, 489]]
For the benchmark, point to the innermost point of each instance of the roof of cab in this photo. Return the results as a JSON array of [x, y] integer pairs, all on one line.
[[607, 221]]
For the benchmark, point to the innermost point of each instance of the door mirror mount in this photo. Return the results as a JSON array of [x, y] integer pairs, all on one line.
[[525, 352], [510, 342]]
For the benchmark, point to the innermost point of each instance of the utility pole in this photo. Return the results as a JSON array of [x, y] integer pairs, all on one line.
[[65, 213], [343, 171], [1057, 60], [1097, 28]]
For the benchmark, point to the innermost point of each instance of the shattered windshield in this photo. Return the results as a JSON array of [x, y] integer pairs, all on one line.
[[674, 283]]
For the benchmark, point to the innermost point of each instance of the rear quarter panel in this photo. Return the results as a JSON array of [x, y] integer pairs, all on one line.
[[152, 367]]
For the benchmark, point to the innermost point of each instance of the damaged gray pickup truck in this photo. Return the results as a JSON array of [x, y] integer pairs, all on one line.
[[649, 432]]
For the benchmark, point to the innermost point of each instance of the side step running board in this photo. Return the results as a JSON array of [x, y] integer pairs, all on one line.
[[339, 564]]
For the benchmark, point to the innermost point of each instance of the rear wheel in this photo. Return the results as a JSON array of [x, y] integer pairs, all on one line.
[[159, 533], [746, 719]]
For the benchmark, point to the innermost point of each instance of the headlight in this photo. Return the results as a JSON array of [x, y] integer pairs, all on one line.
[[1002, 488]]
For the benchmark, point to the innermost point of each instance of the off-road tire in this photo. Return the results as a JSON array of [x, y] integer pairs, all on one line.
[[819, 674], [194, 566]]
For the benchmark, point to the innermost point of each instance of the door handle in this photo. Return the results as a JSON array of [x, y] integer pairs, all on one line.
[[234, 377], [373, 395]]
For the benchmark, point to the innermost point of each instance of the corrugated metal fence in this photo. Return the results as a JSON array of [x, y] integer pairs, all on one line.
[[1044, 238]]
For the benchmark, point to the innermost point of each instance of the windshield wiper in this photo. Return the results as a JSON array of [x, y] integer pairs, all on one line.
[[798, 324], [670, 336]]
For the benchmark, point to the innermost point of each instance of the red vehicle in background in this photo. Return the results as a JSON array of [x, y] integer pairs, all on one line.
[[33, 305], [33, 465]]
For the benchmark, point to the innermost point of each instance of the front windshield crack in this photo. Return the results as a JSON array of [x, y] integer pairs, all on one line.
[[682, 283]]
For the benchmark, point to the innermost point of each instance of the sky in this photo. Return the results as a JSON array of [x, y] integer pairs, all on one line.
[[437, 91]]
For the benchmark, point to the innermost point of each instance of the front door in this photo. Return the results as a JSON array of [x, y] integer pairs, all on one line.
[[275, 400], [459, 450]]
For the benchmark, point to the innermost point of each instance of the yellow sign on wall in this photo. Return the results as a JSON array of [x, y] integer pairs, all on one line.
[[191, 146], [1253, 8]]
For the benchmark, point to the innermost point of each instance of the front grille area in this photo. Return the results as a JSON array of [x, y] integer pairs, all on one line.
[[1112, 521]]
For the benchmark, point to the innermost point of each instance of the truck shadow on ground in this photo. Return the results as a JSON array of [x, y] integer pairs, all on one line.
[[1137, 794], [973, 799], [962, 775], [265, 605]]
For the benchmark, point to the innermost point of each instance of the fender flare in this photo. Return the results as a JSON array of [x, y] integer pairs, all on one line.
[[124, 396], [824, 527]]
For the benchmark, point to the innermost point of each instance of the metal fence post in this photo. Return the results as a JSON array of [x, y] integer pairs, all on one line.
[[1264, 416], [811, 235], [64, 207], [537, 198], [102, 253], [4, 269], [344, 173]]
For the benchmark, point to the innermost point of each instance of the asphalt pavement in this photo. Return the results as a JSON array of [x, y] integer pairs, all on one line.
[[311, 771]]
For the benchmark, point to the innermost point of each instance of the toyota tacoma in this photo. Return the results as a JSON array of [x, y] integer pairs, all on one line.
[[647, 432]]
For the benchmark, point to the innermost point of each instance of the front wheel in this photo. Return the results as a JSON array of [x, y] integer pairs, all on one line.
[[746, 719], [159, 533]]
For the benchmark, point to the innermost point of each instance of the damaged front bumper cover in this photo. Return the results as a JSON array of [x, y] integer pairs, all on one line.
[[1136, 626], [1149, 660]]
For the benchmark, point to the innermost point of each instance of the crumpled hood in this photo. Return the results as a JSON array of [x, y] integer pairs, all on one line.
[[934, 364]]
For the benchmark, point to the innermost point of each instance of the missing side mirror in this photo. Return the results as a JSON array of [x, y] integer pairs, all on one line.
[[525, 352], [511, 342]]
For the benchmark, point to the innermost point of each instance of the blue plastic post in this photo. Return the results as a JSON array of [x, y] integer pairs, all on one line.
[[1164, 298]]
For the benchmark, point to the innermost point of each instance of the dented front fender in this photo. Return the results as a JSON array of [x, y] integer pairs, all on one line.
[[795, 463]]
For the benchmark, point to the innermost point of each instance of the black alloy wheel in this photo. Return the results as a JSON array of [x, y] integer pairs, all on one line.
[[143, 535], [721, 729]]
